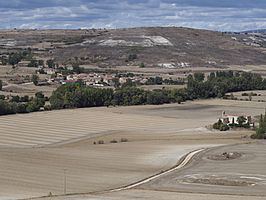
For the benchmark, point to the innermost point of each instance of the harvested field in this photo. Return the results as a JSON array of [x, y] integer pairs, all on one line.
[[36, 148], [155, 195], [243, 176], [256, 95]]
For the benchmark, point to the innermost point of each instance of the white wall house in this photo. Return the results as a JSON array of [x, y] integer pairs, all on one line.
[[232, 118]]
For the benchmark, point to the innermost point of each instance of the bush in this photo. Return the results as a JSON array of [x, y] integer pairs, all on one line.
[[220, 126], [258, 136], [217, 125], [113, 141], [124, 140], [224, 127], [22, 108], [47, 108], [100, 142], [142, 65]]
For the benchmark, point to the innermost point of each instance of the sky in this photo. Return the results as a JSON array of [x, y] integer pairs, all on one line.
[[219, 15]]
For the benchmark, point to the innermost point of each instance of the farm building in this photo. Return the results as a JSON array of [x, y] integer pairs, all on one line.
[[233, 118]]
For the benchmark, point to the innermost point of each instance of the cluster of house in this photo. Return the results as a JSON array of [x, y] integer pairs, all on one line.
[[174, 65], [96, 79]]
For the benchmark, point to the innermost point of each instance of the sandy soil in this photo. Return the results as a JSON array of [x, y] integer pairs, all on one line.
[[36, 148]]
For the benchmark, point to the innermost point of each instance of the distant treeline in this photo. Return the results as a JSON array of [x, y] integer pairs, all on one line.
[[220, 83], [198, 87], [21, 104], [78, 95]]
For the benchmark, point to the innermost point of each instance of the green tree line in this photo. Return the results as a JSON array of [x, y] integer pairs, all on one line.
[[220, 83], [22, 104], [198, 86]]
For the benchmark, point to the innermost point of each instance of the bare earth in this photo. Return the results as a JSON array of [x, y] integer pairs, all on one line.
[[36, 148]]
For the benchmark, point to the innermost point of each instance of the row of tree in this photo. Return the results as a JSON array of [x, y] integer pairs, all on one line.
[[78, 96], [219, 83], [216, 85], [15, 57], [159, 81], [17, 106]]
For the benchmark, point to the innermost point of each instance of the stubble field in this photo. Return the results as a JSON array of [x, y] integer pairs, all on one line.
[[36, 148]]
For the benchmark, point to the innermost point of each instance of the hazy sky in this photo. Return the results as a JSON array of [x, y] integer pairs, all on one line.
[[223, 15]]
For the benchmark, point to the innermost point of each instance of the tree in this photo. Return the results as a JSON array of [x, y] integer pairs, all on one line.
[[199, 76], [233, 121], [116, 82], [218, 124], [41, 62], [1, 84], [132, 57], [4, 61], [33, 63], [15, 99], [142, 65], [35, 79], [77, 69], [14, 58], [241, 120], [261, 130], [250, 96], [33, 106], [50, 63]]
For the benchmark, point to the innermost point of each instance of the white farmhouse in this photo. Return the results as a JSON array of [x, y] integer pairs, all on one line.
[[233, 118]]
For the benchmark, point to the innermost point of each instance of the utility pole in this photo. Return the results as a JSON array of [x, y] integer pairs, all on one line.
[[65, 182]]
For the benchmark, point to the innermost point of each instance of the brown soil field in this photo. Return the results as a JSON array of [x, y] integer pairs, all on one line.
[[244, 175], [155, 195], [36, 148], [27, 89], [261, 95]]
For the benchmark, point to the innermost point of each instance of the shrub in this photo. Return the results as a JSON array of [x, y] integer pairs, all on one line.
[[100, 142], [47, 108], [124, 140], [224, 127], [258, 136], [217, 125], [113, 141], [142, 65]]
